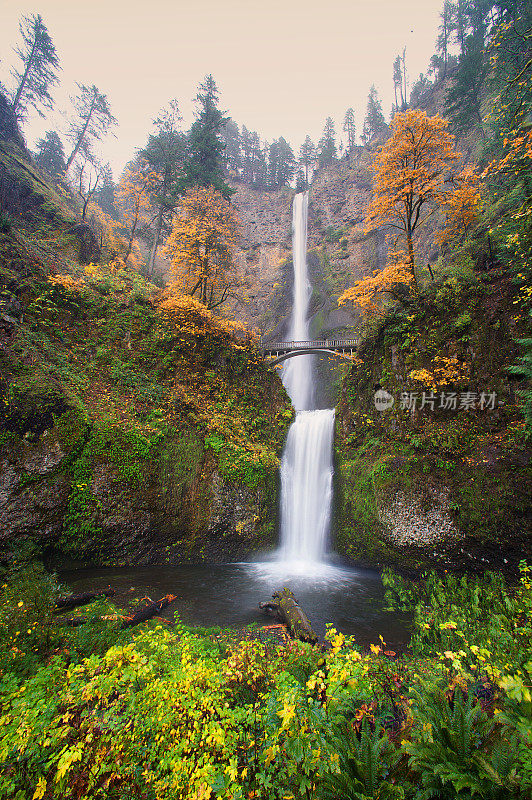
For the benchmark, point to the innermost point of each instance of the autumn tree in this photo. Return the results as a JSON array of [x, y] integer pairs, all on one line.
[[92, 121], [413, 178], [201, 246], [165, 153], [39, 68], [50, 155], [133, 200]]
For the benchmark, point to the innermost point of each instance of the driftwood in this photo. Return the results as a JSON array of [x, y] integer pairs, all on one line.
[[74, 600], [287, 610], [148, 612], [144, 614]]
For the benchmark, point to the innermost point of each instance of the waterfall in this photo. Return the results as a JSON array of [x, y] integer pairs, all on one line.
[[306, 467]]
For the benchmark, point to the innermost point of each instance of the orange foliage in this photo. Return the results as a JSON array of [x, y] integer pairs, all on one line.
[[367, 292], [443, 372], [520, 147], [462, 206], [133, 199], [67, 282], [412, 179], [191, 318], [202, 245], [411, 175]]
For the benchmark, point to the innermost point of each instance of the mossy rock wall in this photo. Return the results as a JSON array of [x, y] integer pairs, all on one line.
[[436, 487]]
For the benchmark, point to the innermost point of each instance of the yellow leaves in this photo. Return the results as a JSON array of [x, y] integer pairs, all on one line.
[[39, 789], [366, 292], [201, 246], [68, 758], [67, 282], [287, 713], [444, 372], [375, 649]]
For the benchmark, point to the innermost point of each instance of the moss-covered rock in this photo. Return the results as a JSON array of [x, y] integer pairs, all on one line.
[[428, 485]]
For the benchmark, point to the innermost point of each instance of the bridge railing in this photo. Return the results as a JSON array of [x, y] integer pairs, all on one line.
[[328, 344]]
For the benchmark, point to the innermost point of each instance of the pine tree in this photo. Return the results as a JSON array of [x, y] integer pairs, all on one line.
[[307, 157], [164, 153], [233, 157], [50, 155], [105, 195], [205, 160], [374, 122], [350, 130], [281, 163], [93, 120], [464, 98], [327, 144], [39, 68]]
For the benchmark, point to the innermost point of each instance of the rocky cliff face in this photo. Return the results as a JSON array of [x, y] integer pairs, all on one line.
[[127, 436]]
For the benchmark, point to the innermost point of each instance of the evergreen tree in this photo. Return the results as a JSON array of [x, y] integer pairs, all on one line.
[[464, 98], [418, 89], [441, 60], [307, 157], [246, 148], [327, 144], [374, 122], [350, 130], [281, 163], [50, 155], [233, 156], [105, 194], [164, 154], [205, 160], [93, 120], [39, 68]]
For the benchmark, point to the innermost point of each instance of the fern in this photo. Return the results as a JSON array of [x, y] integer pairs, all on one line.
[[364, 764], [451, 750]]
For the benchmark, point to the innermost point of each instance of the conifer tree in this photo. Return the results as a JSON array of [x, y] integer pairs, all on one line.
[[374, 122], [50, 155], [92, 121], [281, 163], [307, 157], [164, 153], [233, 157], [327, 144], [350, 130], [204, 163], [39, 68], [105, 194]]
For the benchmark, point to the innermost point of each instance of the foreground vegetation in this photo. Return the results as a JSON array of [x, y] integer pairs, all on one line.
[[95, 712]]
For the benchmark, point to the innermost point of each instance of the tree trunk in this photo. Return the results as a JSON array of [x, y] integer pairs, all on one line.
[[285, 606], [150, 611], [74, 600]]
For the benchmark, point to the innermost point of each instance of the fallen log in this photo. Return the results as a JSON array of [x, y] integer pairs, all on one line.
[[148, 612], [74, 600], [286, 609]]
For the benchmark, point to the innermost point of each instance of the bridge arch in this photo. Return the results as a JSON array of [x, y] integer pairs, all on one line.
[[309, 351]]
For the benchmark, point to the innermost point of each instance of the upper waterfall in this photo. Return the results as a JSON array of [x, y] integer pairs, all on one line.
[[297, 373]]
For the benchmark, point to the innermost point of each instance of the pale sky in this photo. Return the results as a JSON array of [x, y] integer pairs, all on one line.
[[282, 66]]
